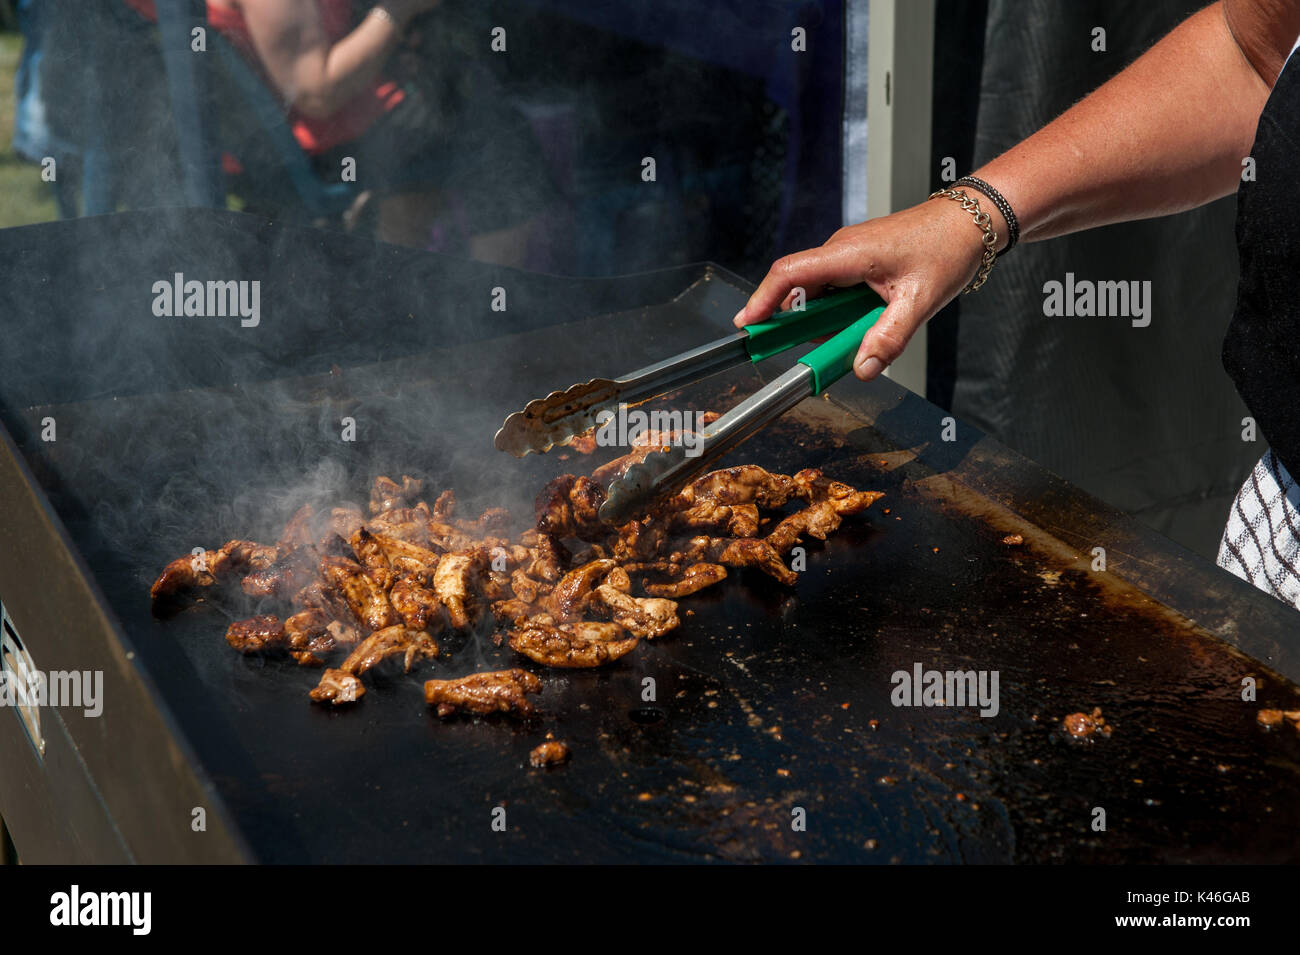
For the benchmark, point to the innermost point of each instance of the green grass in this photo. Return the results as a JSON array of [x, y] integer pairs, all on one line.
[[24, 198]]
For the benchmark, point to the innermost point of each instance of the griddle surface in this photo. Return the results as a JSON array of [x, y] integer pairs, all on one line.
[[768, 699]]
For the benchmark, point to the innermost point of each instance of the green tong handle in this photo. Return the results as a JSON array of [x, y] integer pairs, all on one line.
[[831, 360], [822, 316]]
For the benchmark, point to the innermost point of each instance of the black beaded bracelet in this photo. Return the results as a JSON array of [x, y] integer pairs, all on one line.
[[1004, 207]]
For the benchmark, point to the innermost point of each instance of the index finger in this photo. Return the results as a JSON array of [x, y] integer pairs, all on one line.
[[811, 269]]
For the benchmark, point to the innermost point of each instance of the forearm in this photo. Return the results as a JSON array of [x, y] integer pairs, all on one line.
[[349, 66], [315, 75], [1167, 134]]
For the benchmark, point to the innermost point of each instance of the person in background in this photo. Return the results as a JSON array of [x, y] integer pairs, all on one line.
[[1169, 133], [406, 95]]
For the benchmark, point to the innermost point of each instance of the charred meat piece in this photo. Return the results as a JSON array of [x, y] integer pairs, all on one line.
[[641, 539], [569, 598], [418, 606], [493, 521], [366, 599], [410, 524], [298, 530], [444, 507], [645, 444], [732, 520], [742, 484], [308, 631], [689, 580], [344, 634], [549, 560], [1086, 725], [411, 645], [256, 634], [499, 691], [586, 643], [737, 552], [456, 583], [203, 570], [293, 570], [817, 521], [813, 486], [387, 494], [407, 558], [527, 589], [496, 585], [445, 537], [647, 617], [548, 754], [318, 596], [512, 609], [569, 506], [371, 556], [568, 644], [338, 687], [345, 521], [611, 470], [619, 580]]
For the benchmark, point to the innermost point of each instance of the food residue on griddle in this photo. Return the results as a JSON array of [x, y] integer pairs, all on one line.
[[1087, 725], [1272, 719], [1013, 540], [548, 754]]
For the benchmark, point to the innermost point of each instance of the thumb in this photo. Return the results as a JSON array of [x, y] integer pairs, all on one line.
[[885, 340]]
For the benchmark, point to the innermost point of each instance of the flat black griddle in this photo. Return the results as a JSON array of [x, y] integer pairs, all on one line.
[[769, 699]]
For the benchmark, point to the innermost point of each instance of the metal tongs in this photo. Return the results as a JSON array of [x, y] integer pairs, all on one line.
[[562, 415]]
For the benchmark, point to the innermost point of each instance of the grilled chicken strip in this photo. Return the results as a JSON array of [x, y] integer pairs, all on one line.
[[569, 507], [344, 521], [309, 631], [408, 558], [387, 494], [527, 589], [298, 529], [737, 552], [647, 617], [293, 570], [412, 645], [366, 599], [688, 580], [499, 691], [550, 558], [409, 524], [232, 559], [645, 444], [743, 484], [569, 598], [418, 605], [338, 687], [370, 555], [732, 520], [256, 634], [444, 508], [456, 583], [586, 643]]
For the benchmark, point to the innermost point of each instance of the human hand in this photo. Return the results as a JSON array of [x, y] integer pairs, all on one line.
[[917, 260]]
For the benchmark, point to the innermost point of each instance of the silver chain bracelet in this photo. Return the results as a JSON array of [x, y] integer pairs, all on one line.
[[982, 220]]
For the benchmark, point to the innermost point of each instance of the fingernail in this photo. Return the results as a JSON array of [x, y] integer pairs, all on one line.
[[870, 368], [737, 317]]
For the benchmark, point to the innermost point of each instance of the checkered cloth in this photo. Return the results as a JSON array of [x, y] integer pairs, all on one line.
[[1261, 543]]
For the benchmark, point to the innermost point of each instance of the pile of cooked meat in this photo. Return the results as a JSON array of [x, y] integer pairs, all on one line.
[[360, 587]]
